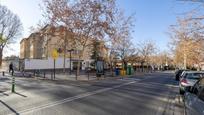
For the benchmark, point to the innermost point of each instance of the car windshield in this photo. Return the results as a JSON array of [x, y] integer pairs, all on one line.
[[194, 75], [180, 72]]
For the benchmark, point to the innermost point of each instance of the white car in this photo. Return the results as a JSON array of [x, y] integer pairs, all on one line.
[[189, 78]]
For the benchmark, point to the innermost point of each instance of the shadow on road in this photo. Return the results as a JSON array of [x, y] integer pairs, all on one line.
[[10, 108], [2, 92], [20, 94]]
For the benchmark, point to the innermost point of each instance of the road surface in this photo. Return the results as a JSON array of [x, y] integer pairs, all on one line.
[[150, 94]]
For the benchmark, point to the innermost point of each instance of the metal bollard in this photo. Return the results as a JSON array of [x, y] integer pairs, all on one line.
[[44, 74], [13, 85], [3, 73]]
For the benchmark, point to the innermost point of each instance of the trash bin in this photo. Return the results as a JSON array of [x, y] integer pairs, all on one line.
[[122, 72], [129, 72], [117, 72]]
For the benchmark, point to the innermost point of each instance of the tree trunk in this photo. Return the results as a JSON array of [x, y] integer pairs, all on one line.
[[125, 65], [78, 64], [78, 68], [142, 66], [64, 61], [65, 52], [184, 61], [111, 66], [1, 56]]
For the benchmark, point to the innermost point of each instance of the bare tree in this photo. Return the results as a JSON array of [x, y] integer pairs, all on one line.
[[161, 59], [187, 41], [146, 49], [10, 28], [121, 38], [88, 19]]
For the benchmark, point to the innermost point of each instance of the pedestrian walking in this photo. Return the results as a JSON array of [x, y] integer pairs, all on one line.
[[11, 70]]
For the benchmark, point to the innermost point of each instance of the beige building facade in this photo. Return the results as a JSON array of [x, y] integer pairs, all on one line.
[[39, 45]]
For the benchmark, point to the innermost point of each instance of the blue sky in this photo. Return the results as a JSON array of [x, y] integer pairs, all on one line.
[[153, 18]]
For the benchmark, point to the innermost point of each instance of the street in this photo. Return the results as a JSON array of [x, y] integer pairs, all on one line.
[[149, 94]]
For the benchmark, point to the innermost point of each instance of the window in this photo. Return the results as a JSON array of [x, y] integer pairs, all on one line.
[[194, 75], [198, 87]]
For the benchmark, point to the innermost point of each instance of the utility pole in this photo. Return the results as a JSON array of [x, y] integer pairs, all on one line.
[[55, 55], [54, 67]]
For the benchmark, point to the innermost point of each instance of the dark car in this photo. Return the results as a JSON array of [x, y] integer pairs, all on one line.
[[194, 99], [178, 73]]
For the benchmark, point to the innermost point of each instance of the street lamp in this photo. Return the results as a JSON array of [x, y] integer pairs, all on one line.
[[70, 59]]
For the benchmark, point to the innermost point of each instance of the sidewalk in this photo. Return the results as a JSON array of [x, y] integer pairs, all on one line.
[[91, 77], [67, 76], [5, 84]]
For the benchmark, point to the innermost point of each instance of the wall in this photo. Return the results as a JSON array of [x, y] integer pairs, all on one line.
[[31, 64]]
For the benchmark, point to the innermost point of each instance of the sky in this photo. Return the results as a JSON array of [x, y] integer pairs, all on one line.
[[152, 19]]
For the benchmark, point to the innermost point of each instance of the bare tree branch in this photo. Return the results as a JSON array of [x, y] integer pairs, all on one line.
[[10, 28]]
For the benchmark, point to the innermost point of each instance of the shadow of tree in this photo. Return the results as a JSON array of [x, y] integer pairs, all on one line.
[[10, 108]]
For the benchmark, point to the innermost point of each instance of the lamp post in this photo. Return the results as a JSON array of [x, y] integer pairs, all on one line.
[[70, 60]]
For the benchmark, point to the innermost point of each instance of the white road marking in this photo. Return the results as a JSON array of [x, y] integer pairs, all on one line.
[[129, 79], [30, 110]]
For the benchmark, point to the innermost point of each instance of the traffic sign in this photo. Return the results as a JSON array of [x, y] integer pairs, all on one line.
[[55, 54]]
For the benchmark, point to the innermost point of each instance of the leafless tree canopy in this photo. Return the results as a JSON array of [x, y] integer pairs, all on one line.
[[10, 28], [121, 37], [146, 49], [187, 41], [87, 19]]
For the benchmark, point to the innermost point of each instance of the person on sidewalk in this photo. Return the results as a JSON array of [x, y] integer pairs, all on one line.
[[11, 70]]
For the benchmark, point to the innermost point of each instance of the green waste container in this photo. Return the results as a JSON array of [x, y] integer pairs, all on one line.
[[129, 70]]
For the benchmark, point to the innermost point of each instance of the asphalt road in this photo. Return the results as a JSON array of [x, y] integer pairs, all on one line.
[[152, 94]]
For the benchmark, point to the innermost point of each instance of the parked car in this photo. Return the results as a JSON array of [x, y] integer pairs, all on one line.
[[189, 78], [194, 99], [182, 74], [178, 73]]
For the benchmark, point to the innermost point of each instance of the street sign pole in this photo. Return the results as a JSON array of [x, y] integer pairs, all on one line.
[[54, 56], [70, 63], [54, 69]]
